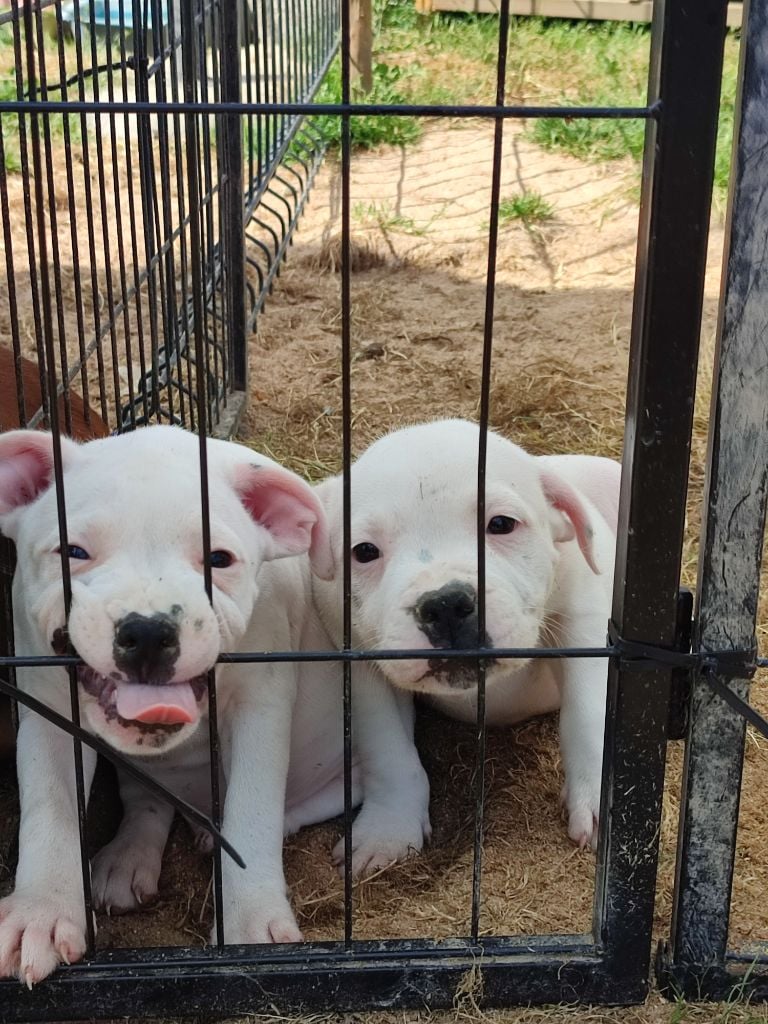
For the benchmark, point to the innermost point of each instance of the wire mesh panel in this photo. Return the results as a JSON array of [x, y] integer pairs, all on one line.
[[105, 263], [206, 123]]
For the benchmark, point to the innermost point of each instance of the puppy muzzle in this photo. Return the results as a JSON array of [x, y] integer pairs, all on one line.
[[448, 619]]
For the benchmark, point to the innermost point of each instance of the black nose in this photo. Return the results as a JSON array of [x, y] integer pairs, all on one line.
[[448, 616], [146, 647]]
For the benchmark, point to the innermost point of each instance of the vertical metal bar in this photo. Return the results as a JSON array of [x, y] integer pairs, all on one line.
[[265, 149], [88, 188], [190, 69], [231, 196], [485, 401], [732, 531], [164, 214], [73, 224], [138, 298], [181, 329], [28, 213], [58, 471], [686, 64], [7, 548], [106, 252], [147, 192], [130, 379], [216, 366], [116, 356], [346, 406], [127, 354], [10, 271]]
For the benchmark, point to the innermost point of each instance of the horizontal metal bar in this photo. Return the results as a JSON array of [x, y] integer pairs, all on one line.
[[258, 657], [291, 979], [23, 107], [649, 659], [318, 953]]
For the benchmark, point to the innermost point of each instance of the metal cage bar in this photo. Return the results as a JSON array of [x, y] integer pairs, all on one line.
[[674, 216], [611, 965], [698, 963]]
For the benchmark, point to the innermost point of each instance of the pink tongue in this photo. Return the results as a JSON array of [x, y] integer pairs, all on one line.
[[160, 705]]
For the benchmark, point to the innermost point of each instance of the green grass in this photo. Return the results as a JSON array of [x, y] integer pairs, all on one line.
[[452, 59], [10, 122], [367, 132], [528, 207], [383, 216]]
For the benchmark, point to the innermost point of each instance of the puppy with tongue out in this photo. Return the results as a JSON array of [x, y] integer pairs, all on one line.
[[148, 635]]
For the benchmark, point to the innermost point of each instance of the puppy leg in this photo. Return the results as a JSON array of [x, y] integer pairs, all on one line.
[[326, 804], [394, 820], [257, 739], [42, 923], [583, 689], [127, 869]]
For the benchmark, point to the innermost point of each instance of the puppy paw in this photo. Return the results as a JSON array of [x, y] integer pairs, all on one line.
[[125, 876], [380, 837], [202, 839], [582, 807], [260, 917], [37, 934]]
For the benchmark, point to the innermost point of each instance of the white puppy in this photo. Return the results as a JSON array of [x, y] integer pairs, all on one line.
[[143, 624], [550, 544]]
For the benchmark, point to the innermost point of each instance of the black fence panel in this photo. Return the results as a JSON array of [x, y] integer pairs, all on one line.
[[698, 962], [211, 101], [112, 226]]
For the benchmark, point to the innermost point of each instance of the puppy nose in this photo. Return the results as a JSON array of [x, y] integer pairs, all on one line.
[[146, 647], [448, 616]]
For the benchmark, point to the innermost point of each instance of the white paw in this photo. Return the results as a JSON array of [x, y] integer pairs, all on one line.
[[582, 807], [125, 876], [202, 839], [37, 933], [259, 916], [382, 836]]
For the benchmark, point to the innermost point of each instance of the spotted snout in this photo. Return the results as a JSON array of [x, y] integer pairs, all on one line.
[[146, 647], [448, 619]]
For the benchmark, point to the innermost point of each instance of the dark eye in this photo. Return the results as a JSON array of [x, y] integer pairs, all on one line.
[[365, 552], [220, 559], [501, 524], [75, 551]]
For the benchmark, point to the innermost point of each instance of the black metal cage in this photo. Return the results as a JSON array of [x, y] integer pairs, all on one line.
[[203, 161]]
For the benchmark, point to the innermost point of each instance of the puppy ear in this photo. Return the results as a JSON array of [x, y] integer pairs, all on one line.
[[288, 509], [569, 517], [328, 493], [26, 467]]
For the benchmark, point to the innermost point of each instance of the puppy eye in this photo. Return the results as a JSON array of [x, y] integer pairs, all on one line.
[[75, 551], [366, 552], [220, 559], [501, 524]]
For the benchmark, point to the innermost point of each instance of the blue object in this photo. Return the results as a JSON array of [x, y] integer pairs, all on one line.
[[100, 8]]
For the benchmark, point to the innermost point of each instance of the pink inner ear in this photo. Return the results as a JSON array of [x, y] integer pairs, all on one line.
[[285, 506], [26, 467], [566, 500]]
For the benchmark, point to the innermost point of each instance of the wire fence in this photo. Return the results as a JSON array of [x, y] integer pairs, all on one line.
[[194, 163]]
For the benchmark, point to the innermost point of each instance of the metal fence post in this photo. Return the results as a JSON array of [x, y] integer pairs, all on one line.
[[729, 565], [686, 63], [232, 15]]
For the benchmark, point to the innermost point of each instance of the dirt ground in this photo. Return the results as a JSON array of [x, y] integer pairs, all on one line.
[[562, 315]]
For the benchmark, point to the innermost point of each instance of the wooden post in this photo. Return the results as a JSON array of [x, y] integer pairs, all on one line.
[[361, 43]]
